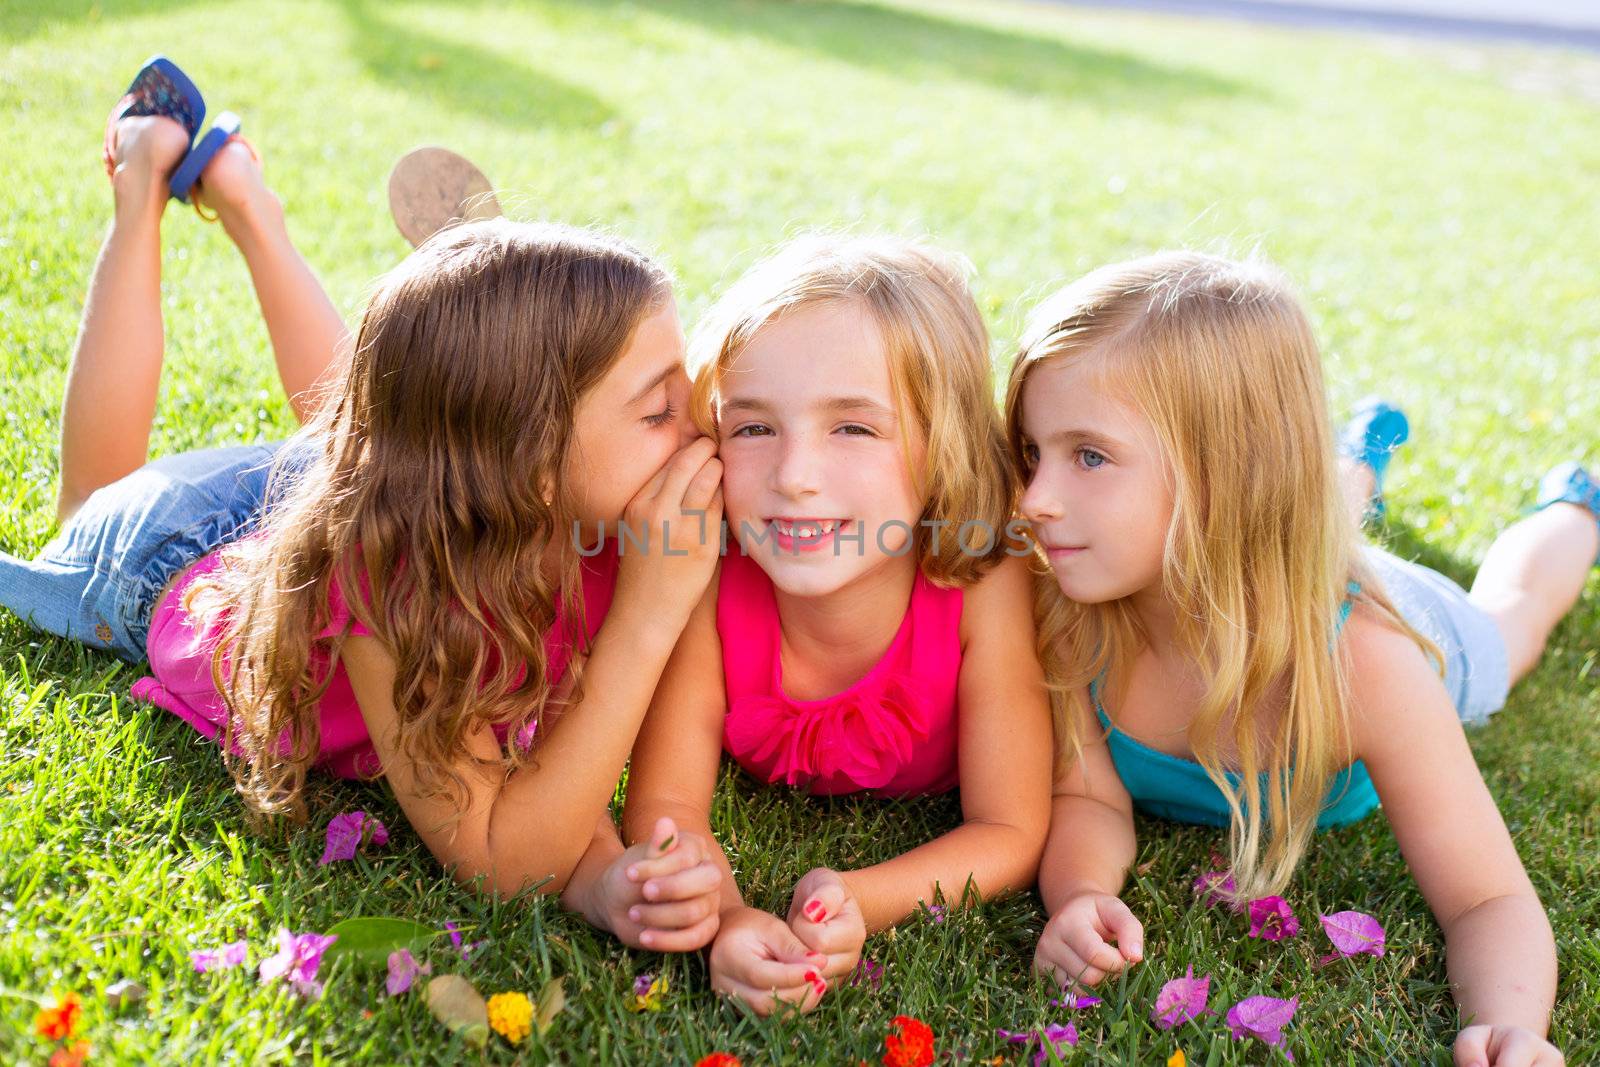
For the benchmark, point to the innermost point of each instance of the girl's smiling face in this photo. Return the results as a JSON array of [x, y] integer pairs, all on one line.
[[1099, 492], [816, 481]]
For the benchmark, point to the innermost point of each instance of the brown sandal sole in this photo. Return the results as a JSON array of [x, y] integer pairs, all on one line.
[[433, 188]]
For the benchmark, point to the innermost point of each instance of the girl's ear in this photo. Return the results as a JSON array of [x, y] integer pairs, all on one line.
[[547, 489]]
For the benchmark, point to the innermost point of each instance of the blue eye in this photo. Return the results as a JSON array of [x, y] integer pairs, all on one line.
[[1090, 458], [855, 429]]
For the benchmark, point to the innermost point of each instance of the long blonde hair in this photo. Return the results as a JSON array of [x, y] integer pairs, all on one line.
[[939, 369], [424, 491], [1219, 356]]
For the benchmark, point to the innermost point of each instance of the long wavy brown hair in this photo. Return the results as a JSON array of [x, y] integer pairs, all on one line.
[[430, 480]]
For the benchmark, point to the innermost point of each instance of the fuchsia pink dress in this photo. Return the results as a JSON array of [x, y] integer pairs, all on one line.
[[180, 662], [892, 732]]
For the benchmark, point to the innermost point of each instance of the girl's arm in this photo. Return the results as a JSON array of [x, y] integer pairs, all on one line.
[[1004, 746], [1499, 949], [534, 824], [673, 772], [673, 775], [1091, 846]]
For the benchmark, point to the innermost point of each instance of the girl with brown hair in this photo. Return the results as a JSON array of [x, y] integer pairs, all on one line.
[[417, 585]]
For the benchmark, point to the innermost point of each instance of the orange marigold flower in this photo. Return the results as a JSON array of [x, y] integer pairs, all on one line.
[[909, 1043], [58, 1019], [511, 1016], [719, 1059], [70, 1057]]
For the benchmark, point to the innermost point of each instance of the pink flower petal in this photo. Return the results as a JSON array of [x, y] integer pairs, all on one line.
[[297, 960], [1217, 888], [346, 833], [403, 970], [1262, 1018], [1272, 919], [1075, 1002], [867, 972], [1053, 1036], [1181, 1000], [230, 955], [1354, 933]]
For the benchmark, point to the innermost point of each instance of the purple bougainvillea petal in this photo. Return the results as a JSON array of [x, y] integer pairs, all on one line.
[[230, 955], [297, 960], [1217, 889], [1262, 1018], [1181, 1000], [1272, 919], [346, 833], [403, 970], [1354, 933]]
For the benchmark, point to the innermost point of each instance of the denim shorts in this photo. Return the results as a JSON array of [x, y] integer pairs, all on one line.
[[1477, 668], [98, 580]]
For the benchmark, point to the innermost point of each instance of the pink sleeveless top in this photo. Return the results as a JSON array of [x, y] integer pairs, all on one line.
[[180, 665], [893, 732]]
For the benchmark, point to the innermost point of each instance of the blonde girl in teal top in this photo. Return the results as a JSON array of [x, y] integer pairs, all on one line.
[[1222, 649]]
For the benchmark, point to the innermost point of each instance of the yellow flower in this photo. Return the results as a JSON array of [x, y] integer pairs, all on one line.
[[1177, 1059], [511, 1016], [650, 998]]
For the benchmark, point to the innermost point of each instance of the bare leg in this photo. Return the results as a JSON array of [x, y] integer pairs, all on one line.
[[1533, 575], [308, 334], [110, 401], [1358, 484]]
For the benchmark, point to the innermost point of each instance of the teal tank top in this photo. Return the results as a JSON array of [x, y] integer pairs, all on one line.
[[1171, 787]]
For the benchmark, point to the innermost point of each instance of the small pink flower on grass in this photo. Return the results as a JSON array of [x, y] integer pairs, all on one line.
[[455, 941], [347, 832], [1263, 1018], [230, 955], [1272, 919], [1181, 1000], [936, 912], [1353, 933], [299, 956], [1053, 1037], [403, 970], [1075, 1002], [1217, 888], [867, 972]]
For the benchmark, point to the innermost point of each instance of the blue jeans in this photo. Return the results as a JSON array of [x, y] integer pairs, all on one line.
[[98, 580]]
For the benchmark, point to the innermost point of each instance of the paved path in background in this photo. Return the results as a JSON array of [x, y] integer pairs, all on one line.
[[1568, 23]]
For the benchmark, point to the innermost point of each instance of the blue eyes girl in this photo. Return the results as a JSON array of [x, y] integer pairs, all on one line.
[[851, 429], [1091, 459]]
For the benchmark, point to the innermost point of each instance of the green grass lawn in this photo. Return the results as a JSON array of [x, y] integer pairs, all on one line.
[[1442, 223]]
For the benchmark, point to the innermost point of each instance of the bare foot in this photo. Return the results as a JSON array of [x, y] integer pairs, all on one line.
[[146, 150], [232, 181]]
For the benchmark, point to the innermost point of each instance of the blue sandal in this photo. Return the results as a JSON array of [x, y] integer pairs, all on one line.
[[1570, 483], [1370, 437], [160, 88], [184, 179]]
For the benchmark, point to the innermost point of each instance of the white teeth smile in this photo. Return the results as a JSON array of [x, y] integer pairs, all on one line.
[[806, 529]]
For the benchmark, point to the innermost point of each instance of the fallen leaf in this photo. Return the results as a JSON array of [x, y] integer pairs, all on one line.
[[456, 1003], [552, 999]]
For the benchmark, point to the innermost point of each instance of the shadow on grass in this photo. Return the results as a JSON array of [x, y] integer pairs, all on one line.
[[463, 76], [1408, 543], [926, 46]]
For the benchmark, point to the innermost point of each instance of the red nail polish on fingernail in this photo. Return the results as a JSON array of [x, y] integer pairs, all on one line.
[[813, 910], [813, 977]]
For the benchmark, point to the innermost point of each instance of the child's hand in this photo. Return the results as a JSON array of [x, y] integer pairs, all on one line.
[[758, 959], [1504, 1046], [1076, 943], [662, 894], [824, 914], [673, 532]]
